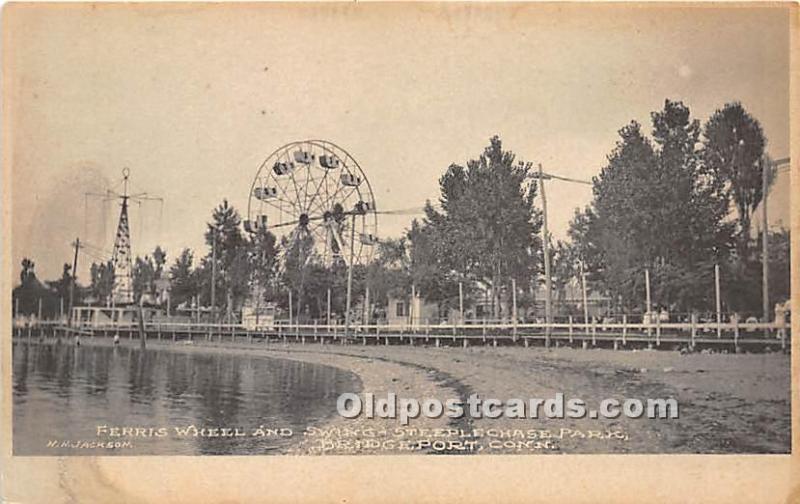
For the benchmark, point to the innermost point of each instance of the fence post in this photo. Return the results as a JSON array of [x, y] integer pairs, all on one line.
[[570, 329], [658, 331], [594, 331], [624, 329], [694, 327]]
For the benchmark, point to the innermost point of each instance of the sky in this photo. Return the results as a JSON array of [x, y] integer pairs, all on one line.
[[193, 98]]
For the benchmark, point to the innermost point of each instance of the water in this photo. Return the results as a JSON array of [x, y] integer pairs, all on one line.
[[62, 393]]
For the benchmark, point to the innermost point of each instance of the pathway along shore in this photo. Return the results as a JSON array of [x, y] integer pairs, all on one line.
[[729, 403]]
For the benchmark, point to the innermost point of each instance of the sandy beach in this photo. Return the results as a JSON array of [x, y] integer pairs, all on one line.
[[721, 398]]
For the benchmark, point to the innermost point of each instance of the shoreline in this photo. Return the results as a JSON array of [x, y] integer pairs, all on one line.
[[707, 387]]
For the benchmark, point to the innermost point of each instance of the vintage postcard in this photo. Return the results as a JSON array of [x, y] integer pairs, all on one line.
[[284, 252]]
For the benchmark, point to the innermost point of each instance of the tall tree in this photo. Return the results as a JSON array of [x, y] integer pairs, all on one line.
[[626, 209], [390, 273], [61, 285], [298, 255], [264, 262], [487, 229], [102, 281], [693, 220], [159, 260], [656, 205], [143, 277], [183, 281], [27, 295], [733, 145], [565, 270], [584, 240], [27, 273], [224, 234], [430, 270]]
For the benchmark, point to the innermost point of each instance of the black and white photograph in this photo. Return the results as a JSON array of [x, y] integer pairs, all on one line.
[[375, 230]]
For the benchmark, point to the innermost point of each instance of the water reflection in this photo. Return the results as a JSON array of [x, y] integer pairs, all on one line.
[[63, 392]]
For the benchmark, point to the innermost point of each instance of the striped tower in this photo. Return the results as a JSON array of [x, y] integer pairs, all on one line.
[[122, 293]]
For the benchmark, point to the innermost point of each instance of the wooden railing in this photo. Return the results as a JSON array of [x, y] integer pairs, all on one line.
[[595, 333]]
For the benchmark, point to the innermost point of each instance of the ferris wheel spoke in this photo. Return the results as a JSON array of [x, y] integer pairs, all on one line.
[[278, 199], [351, 193], [296, 189], [339, 188], [321, 207], [309, 205], [319, 224], [305, 192], [297, 194], [285, 188], [280, 208], [316, 191], [323, 203]]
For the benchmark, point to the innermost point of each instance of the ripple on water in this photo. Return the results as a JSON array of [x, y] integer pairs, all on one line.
[[62, 392]]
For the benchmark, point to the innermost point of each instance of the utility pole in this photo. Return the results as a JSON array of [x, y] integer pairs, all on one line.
[[546, 246], [548, 314], [77, 245], [514, 301], [648, 313], [366, 306], [350, 277], [214, 276], [142, 332], [765, 167], [411, 305], [329, 308], [718, 297], [585, 300], [461, 301]]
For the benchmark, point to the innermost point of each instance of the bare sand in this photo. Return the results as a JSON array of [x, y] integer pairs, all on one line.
[[728, 403]]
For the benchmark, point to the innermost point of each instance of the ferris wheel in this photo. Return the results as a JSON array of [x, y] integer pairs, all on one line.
[[315, 194]]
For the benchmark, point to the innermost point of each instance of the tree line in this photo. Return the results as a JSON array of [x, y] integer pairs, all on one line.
[[676, 202]]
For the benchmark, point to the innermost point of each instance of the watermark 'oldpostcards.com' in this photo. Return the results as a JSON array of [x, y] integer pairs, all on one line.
[[350, 405]]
